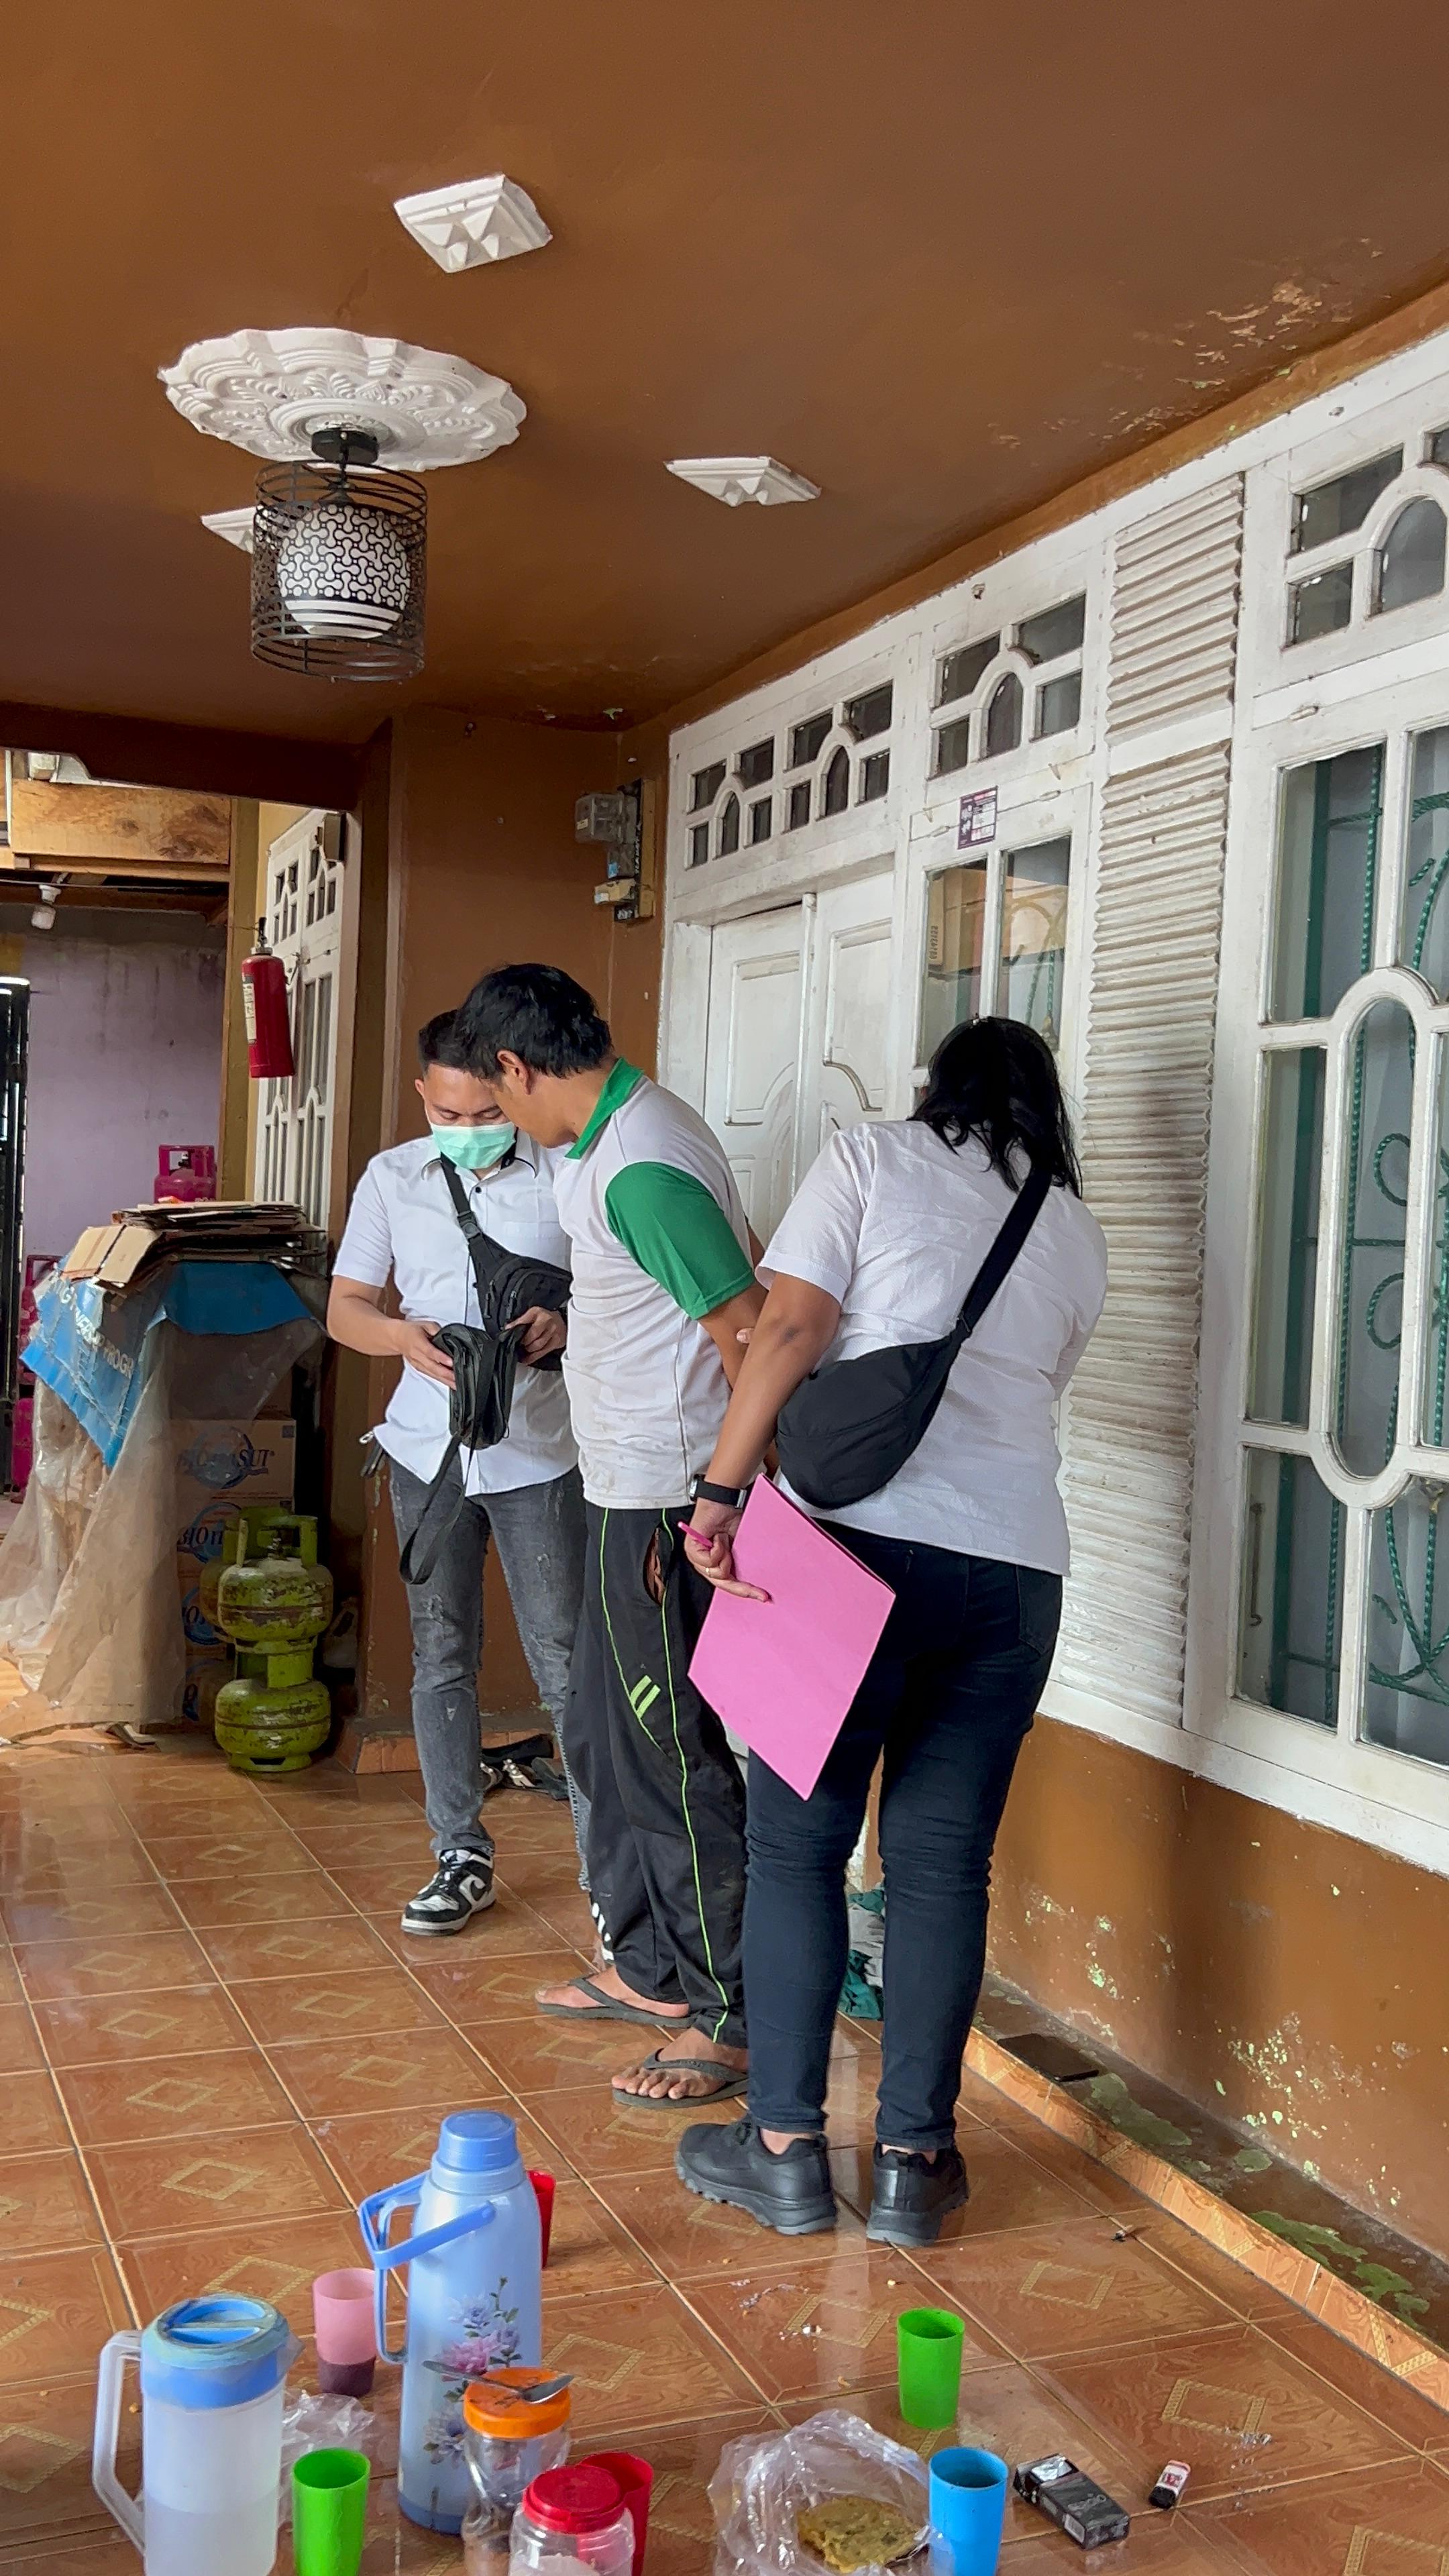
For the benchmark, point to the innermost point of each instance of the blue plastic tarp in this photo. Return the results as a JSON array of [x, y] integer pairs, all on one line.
[[89, 1348]]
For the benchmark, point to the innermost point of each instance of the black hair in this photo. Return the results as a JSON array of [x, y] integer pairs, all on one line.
[[439, 1043], [997, 1081], [540, 1015]]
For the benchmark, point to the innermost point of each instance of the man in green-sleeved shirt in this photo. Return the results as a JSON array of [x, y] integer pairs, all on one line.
[[663, 1284]]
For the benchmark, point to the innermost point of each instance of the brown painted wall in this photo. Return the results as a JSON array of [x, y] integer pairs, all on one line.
[[482, 867], [1261, 1966]]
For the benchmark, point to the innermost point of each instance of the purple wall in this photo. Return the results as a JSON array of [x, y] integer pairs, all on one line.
[[125, 1055]]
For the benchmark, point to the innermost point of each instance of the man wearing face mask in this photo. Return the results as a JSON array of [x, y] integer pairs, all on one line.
[[524, 1491]]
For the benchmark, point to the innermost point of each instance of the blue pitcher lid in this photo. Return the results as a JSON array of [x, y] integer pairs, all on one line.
[[477, 2142], [216, 2351]]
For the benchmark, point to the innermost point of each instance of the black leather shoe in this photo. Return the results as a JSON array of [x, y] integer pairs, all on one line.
[[791, 2192], [910, 2196]]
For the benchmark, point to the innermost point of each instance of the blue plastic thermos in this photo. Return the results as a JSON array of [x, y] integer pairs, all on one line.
[[474, 2300]]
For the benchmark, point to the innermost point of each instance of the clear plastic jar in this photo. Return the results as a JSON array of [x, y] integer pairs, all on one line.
[[573, 2522], [509, 2443]]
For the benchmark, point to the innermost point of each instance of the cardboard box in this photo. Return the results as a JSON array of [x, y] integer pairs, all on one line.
[[205, 1674], [229, 1462]]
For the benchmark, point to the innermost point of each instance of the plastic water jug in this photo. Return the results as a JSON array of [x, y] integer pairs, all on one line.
[[474, 2298], [213, 2377]]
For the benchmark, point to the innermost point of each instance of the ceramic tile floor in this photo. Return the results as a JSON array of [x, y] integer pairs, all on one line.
[[215, 2038]]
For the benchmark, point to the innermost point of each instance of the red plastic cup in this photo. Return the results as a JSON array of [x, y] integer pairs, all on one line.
[[343, 2313], [543, 2194], [636, 2478]]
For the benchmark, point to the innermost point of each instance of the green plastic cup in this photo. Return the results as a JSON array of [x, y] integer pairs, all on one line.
[[329, 2512], [928, 2356]]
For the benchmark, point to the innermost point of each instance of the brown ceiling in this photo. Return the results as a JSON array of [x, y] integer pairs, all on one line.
[[944, 258]]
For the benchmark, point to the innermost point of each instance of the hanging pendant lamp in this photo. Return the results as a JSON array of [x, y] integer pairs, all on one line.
[[339, 560]]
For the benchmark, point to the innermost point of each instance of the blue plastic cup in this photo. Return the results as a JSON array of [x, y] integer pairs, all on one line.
[[968, 2509]]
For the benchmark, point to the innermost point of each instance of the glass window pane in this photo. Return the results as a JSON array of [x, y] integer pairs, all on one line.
[[1370, 1291], [1334, 508], [837, 784], [707, 784], [1424, 931], [1320, 605], [1034, 936], [799, 804], [953, 746], [699, 845], [1327, 872], [729, 827], [1436, 1338], [757, 764], [955, 947], [1406, 1695], [1410, 561], [1291, 1619], [1439, 447], [1287, 1263], [875, 777], [871, 713], [760, 820], [1054, 631], [806, 739], [1059, 705], [1003, 717], [961, 671]]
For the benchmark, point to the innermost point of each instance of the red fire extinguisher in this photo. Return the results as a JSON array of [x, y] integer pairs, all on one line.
[[268, 1020]]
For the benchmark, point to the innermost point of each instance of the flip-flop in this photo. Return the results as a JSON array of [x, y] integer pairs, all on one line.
[[605, 2008], [732, 2079]]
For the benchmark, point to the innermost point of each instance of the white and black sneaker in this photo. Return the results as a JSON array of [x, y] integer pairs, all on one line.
[[460, 1887]]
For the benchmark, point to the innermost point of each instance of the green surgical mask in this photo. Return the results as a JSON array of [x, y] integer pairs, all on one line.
[[475, 1149]]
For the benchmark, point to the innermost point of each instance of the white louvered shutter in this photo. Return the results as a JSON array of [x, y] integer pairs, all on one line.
[[1151, 1008]]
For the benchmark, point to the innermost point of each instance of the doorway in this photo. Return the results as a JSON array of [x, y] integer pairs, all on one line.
[[796, 1036]]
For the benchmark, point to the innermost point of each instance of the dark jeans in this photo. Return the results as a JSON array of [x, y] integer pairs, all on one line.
[[666, 1842], [948, 1701]]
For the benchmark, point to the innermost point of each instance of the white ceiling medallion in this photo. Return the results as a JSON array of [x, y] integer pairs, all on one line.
[[234, 525], [271, 391], [477, 221], [734, 479]]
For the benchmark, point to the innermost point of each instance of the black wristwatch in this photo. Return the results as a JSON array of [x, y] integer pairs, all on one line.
[[732, 1496]]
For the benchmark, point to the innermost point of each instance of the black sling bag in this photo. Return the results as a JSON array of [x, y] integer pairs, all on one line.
[[850, 1426], [485, 1361]]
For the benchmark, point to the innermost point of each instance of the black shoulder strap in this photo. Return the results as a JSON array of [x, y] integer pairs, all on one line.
[[483, 1252], [1020, 1217]]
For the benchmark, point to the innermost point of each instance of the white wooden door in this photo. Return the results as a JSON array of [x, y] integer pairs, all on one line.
[[844, 1056], [752, 1057], [304, 885]]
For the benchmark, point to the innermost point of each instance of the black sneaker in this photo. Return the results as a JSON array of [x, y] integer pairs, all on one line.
[[910, 2196], [460, 1887], [791, 2192], [529, 1765]]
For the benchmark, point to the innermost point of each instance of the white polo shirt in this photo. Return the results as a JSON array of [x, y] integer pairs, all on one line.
[[402, 1220], [894, 1224], [659, 1239]]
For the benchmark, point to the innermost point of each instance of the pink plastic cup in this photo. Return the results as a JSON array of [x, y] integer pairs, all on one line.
[[543, 2194], [342, 2311], [636, 2478]]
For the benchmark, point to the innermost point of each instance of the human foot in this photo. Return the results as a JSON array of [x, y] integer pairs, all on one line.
[[686, 2068], [602, 1995], [790, 2192]]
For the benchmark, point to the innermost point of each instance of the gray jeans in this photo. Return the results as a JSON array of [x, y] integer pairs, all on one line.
[[540, 1535]]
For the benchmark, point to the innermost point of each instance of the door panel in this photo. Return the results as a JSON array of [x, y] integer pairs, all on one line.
[[845, 1054], [752, 1057]]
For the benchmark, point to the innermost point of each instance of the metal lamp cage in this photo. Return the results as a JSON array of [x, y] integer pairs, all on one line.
[[339, 571]]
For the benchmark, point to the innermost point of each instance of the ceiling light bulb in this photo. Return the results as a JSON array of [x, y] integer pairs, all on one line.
[[343, 570]]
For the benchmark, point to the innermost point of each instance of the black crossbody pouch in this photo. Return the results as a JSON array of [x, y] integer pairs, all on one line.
[[851, 1425]]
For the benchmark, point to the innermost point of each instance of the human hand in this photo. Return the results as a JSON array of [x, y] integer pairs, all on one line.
[[416, 1345], [709, 1548], [541, 1332]]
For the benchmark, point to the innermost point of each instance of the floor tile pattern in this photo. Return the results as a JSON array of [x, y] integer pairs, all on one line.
[[215, 2038]]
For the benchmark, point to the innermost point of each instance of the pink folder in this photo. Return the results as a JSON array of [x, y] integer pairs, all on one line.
[[782, 1673]]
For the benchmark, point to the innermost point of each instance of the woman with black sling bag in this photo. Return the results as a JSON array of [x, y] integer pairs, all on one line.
[[931, 1290]]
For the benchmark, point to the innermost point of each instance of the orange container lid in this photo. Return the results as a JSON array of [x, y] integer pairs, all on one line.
[[494, 2407]]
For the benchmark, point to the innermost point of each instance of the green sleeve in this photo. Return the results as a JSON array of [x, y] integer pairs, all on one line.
[[678, 1233]]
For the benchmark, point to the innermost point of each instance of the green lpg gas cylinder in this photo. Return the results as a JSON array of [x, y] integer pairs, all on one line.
[[273, 1716], [275, 1594]]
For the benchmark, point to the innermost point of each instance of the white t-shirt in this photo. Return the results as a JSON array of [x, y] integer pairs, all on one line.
[[895, 1224], [402, 1220]]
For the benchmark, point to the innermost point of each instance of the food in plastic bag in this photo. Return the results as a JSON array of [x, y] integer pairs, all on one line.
[[320, 2423], [763, 2486]]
